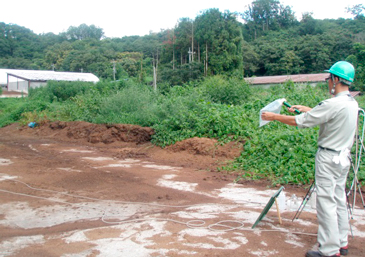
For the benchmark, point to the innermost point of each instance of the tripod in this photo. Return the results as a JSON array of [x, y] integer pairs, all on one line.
[[305, 201], [359, 146], [355, 185]]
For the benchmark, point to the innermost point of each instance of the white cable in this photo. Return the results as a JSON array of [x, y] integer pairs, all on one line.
[[123, 202], [189, 224]]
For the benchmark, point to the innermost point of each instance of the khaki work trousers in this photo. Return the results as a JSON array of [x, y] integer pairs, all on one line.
[[332, 213]]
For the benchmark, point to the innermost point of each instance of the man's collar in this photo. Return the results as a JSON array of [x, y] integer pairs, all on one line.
[[343, 93]]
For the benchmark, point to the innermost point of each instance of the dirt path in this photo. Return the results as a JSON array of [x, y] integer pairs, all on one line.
[[77, 189]]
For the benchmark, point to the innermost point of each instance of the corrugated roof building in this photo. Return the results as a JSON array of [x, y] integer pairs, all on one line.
[[308, 79], [311, 79], [4, 78], [23, 80]]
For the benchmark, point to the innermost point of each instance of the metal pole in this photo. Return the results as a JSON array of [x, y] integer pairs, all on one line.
[[304, 202]]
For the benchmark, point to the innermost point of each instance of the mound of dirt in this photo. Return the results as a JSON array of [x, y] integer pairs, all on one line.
[[93, 133], [208, 147], [132, 141]]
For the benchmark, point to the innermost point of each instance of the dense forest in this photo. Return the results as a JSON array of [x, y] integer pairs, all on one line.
[[199, 66], [271, 41]]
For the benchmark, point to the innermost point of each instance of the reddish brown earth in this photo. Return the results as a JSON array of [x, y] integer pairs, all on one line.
[[6, 93], [80, 189]]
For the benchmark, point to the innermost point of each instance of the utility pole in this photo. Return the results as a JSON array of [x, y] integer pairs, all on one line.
[[155, 65], [173, 49], [141, 73], [53, 66], [206, 59], [190, 54], [154, 78], [114, 70], [192, 40]]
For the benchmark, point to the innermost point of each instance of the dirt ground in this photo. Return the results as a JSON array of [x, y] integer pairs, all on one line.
[[80, 189], [6, 93]]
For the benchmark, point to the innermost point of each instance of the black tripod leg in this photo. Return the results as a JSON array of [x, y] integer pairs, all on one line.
[[349, 213], [360, 192], [304, 202]]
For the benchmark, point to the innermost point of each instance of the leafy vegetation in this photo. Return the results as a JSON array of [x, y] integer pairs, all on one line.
[[199, 66], [271, 41], [218, 107]]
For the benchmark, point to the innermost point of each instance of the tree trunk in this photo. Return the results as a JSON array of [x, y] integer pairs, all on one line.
[[173, 59], [141, 74], [154, 78], [157, 65], [173, 50], [192, 42], [206, 59]]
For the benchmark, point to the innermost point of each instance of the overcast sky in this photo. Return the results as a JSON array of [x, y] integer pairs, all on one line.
[[120, 18]]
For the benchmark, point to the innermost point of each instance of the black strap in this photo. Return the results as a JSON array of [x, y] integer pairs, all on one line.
[[328, 149]]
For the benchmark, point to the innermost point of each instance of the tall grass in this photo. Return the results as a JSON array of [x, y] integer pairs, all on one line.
[[225, 90], [218, 107], [13, 109], [134, 104], [59, 90]]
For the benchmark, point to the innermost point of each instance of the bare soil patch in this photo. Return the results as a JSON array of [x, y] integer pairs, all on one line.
[[81, 189]]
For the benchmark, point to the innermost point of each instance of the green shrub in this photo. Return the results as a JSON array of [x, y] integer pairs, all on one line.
[[205, 120], [276, 152], [182, 74], [83, 107], [279, 153], [59, 90], [134, 104], [226, 90], [12, 109]]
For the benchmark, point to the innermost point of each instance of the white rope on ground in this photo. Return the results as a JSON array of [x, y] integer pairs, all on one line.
[[190, 224], [118, 201]]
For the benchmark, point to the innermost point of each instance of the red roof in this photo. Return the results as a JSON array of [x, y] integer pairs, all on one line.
[[300, 78], [355, 93]]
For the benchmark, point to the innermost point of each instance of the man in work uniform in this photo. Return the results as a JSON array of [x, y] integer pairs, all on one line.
[[337, 118]]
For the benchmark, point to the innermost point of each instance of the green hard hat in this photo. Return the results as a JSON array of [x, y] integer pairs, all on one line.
[[344, 70]]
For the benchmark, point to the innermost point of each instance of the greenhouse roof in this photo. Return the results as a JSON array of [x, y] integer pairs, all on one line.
[[41, 75]]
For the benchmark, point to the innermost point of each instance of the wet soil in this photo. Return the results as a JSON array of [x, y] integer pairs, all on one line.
[[81, 189]]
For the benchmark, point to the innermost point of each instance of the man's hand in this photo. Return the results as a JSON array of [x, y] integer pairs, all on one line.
[[300, 108], [268, 116], [289, 120]]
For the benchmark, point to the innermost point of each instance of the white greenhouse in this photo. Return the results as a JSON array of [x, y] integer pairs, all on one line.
[[23, 80]]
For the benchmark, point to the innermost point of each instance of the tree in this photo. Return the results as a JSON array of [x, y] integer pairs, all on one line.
[[17, 41], [183, 74], [290, 63], [56, 54], [220, 38], [308, 25], [250, 59], [83, 32], [5, 47], [16, 63], [357, 11], [314, 53], [358, 60], [130, 61], [184, 36], [286, 17], [265, 15], [168, 49]]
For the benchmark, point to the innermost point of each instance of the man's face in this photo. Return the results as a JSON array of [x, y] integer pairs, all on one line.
[[330, 82]]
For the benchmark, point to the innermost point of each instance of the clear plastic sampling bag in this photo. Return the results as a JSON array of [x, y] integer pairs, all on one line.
[[274, 107]]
